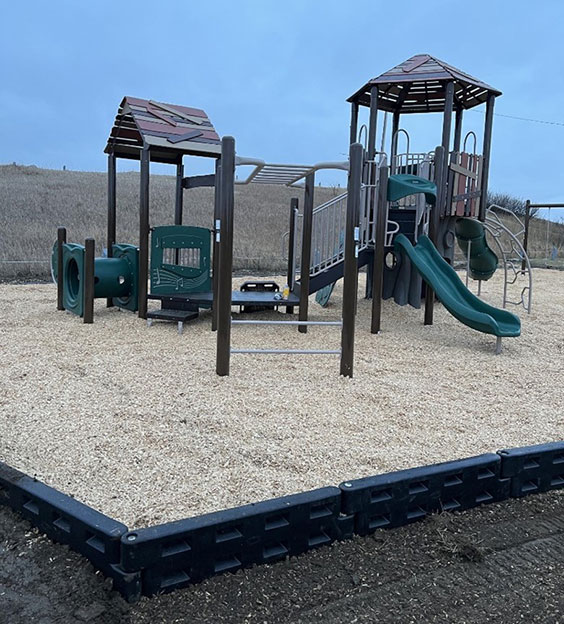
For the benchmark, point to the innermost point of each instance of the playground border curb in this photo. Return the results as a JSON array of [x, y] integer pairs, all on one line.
[[177, 554]]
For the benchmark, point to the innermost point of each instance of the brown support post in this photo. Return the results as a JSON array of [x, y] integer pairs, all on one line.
[[178, 201], [372, 124], [458, 129], [61, 240], [291, 248], [370, 169], [441, 179], [395, 128], [216, 245], [354, 122], [178, 205], [111, 238], [350, 273], [88, 286], [379, 243], [306, 249], [526, 233], [447, 116], [488, 126], [144, 232], [223, 352], [440, 175]]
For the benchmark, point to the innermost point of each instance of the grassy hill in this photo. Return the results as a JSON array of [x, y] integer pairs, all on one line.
[[34, 202]]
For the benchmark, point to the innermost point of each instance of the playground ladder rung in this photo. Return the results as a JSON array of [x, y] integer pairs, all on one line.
[[290, 351], [301, 323]]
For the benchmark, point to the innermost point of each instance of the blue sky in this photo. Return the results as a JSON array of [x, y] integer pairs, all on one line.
[[275, 75]]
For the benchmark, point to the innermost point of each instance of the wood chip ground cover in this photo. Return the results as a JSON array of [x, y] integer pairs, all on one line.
[[133, 420]]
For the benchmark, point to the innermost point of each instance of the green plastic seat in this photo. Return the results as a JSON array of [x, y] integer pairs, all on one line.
[[403, 184]]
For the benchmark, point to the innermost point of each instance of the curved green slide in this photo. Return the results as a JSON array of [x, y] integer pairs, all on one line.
[[471, 235], [452, 293]]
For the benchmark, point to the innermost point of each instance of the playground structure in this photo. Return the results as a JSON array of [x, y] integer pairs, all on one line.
[[189, 271], [411, 194]]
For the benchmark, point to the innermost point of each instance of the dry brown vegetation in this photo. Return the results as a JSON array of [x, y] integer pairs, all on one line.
[[34, 202]]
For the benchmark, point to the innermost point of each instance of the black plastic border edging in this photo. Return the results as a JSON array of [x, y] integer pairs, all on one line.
[[176, 554], [398, 498], [180, 553], [70, 522]]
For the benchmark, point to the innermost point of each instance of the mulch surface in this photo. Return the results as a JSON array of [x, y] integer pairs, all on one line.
[[502, 562]]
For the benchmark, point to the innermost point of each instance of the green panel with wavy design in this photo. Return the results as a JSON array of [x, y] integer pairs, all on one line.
[[180, 260]]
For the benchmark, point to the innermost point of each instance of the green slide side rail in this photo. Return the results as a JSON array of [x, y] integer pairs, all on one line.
[[471, 234], [452, 293]]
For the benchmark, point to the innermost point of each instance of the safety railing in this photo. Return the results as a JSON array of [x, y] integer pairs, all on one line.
[[328, 227]]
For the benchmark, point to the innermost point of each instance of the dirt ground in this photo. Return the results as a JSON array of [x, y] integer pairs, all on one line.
[[134, 421], [501, 562]]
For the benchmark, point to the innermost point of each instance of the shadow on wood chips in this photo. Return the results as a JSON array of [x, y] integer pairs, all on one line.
[[501, 562]]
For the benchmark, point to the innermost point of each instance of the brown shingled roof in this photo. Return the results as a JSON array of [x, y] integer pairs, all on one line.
[[418, 86], [168, 129]]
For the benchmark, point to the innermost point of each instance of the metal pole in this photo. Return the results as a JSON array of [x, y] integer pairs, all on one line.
[[292, 248], [179, 199], [307, 226], [440, 167], [61, 240], [350, 273], [354, 122], [526, 233], [88, 286], [379, 244], [225, 256], [216, 245], [372, 124], [488, 126], [144, 232], [111, 238], [547, 236]]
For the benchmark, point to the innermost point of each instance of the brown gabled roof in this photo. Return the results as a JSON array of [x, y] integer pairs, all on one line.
[[170, 131], [418, 86]]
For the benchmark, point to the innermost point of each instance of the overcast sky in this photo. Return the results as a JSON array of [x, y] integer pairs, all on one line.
[[275, 75]]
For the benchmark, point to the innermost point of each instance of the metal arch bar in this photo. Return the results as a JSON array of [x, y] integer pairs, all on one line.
[[468, 134], [289, 351], [275, 171], [491, 213], [334, 323], [496, 229], [395, 139]]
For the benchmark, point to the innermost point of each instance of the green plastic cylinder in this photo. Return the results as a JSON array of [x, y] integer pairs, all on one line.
[[112, 277]]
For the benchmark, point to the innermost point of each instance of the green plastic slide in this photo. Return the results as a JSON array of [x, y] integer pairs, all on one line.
[[471, 235], [452, 293]]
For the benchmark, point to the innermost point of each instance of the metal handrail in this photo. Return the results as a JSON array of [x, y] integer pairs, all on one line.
[[395, 140], [471, 133]]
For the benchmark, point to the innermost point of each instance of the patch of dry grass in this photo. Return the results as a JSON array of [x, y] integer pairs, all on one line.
[[34, 202]]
